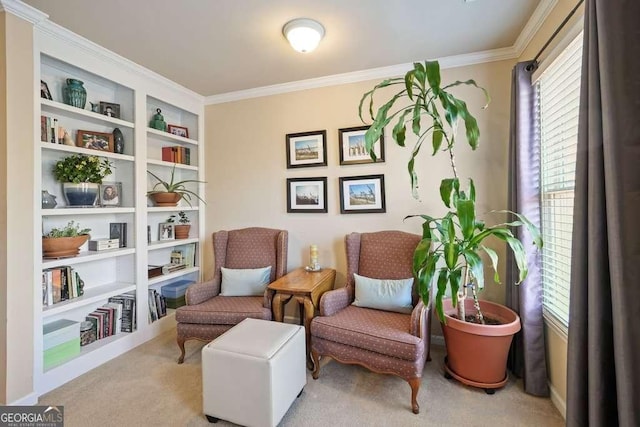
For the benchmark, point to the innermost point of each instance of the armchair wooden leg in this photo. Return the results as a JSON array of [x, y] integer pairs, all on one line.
[[181, 345], [316, 364], [415, 386]]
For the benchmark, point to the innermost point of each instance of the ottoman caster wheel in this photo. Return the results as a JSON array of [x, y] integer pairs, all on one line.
[[300, 394], [490, 391], [212, 419], [447, 375]]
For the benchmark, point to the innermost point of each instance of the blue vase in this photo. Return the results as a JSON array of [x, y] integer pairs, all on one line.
[[83, 194], [74, 93]]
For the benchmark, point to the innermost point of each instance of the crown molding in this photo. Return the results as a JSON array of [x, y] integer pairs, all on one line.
[[51, 29], [22, 10], [360, 76], [533, 24]]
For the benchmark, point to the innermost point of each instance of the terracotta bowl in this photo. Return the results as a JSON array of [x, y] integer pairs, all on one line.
[[61, 247], [165, 199]]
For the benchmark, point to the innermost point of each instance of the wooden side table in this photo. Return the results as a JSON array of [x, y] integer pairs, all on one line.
[[307, 288]]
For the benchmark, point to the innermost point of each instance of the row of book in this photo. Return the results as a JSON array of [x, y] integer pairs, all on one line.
[[157, 305], [50, 130], [176, 154], [117, 315], [60, 284]]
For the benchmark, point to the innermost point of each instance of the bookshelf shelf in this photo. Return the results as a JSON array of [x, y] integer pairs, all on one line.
[[91, 295], [179, 273], [171, 164], [87, 257], [85, 211], [166, 136], [171, 243], [172, 208], [54, 106], [86, 151]]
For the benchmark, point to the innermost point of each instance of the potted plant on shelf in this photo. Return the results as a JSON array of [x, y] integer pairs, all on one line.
[[64, 242], [80, 176], [170, 193], [450, 254], [181, 229]]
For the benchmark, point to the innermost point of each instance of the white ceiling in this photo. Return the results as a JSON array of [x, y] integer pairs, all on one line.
[[221, 46]]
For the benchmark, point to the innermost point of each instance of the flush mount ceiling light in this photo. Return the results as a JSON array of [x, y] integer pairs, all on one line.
[[303, 34]]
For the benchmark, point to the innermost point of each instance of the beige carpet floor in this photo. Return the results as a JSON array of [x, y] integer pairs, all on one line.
[[146, 387]]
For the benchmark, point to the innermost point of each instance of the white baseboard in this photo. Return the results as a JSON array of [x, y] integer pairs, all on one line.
[[558, 401], [29, 399]]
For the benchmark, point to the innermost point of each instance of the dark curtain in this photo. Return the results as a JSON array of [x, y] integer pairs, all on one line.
[[527, 358], [603, 384]]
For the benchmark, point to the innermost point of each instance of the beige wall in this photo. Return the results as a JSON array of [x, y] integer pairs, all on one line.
[[246, 166], [16, 218], [555, 340]]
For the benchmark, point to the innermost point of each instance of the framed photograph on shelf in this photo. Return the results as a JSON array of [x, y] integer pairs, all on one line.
[[178, 130], [362, 194], [111, 194], [44, 91], [307, 195], [352, 146], [110, 109], [306, 149], [166, 231], [95, 140]]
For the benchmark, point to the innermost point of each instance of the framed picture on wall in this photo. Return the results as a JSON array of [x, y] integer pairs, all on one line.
[[352, 146], [362, 194], [307, 149], [307, 195]]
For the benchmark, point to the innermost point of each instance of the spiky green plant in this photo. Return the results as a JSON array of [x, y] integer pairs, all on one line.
[[175, 187], [450, 252]]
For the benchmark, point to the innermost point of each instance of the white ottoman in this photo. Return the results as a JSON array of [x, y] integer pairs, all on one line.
[[253, 372]]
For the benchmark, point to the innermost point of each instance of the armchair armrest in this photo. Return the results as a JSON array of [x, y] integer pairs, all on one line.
[[335, 300], [200, 292], [421, 320]]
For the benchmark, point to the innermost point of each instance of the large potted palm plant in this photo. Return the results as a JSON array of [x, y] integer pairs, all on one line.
[[452, 253]]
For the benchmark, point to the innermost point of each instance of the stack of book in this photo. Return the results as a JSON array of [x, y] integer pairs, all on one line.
[[61, 342], [157, 305], [49, 130], [117, 315], [176, 154], [60, 284]]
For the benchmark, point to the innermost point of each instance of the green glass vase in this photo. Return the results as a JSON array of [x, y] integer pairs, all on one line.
[[74, 93]]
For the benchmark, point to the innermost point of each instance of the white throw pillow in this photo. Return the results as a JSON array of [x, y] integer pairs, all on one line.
[[384, 294], [244, 282]]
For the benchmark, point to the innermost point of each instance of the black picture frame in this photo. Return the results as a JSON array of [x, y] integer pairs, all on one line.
[[44, 91], [362, 194], [118, 230], [306, 149], [352, 146], [307, 195], [110, 109]]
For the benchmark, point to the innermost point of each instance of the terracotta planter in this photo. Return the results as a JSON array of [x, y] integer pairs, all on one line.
[[477, 354], [182, 231], [61, 247], [165, 199]]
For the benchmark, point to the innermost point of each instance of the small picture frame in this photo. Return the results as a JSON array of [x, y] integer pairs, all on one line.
[[110, 109], [178, 130], [352, 146], [306, 149], [166, 231], [44, 91], [307, 195], [95, 140], [118, 230], [362, 194], [111, 194]]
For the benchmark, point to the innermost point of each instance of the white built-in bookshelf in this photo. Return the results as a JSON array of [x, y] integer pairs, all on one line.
[[138, 92]]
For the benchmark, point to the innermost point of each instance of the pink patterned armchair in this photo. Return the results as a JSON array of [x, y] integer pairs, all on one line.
[[207, 314], [382, 341]]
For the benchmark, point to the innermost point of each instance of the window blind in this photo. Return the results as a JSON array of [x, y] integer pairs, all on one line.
[[558, 100]]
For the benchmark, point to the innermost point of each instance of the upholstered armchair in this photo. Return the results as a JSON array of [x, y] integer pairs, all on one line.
[[387, 342], [208, 314]]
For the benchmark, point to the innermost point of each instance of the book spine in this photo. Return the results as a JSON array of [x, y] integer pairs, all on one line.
[[166, 154]]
